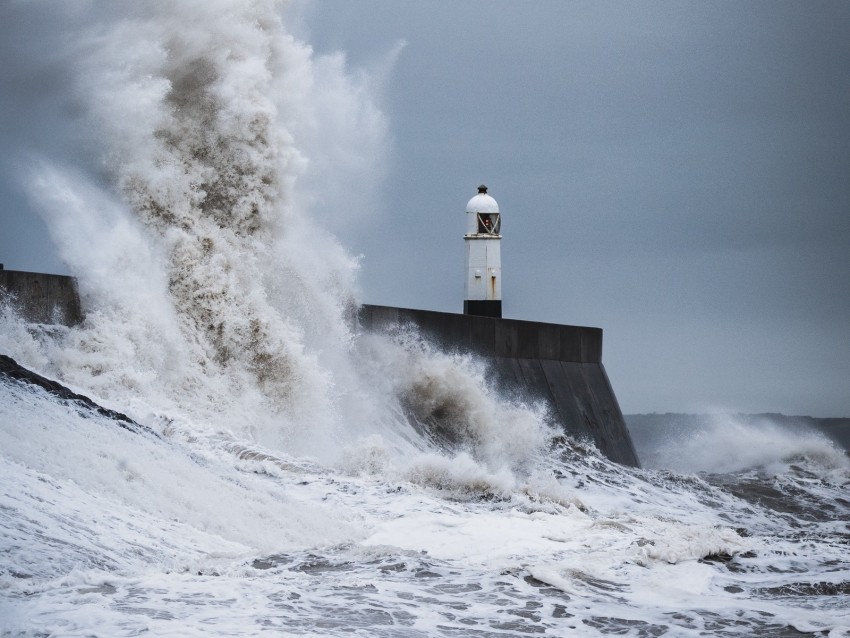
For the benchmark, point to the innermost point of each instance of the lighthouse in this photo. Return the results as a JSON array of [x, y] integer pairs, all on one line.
[[483, 288]]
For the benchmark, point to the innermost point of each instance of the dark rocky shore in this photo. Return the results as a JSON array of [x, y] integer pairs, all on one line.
[[11, 369]]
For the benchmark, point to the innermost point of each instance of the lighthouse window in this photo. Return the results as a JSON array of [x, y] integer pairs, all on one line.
[[489, 223]]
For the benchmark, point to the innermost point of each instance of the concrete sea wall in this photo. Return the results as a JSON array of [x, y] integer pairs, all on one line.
[[42, 298], [561, 365]]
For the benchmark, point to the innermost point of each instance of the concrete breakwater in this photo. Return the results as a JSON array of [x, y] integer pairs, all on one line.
[[561, 365], [42, 298]]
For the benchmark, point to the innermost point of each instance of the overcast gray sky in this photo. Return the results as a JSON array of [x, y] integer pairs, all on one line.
[[676, 173]]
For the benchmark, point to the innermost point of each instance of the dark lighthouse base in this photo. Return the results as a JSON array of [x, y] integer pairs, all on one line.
[[483, 308]]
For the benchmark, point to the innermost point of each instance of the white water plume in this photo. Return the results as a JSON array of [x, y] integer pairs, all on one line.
[[454, 405], [205, 285], [726, 443]]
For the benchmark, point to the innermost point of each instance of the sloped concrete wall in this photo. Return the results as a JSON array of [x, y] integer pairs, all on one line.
[[561, 365], [42, 298]]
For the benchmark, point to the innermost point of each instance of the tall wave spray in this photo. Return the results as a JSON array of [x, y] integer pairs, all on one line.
[[209, 290], [206, 285]]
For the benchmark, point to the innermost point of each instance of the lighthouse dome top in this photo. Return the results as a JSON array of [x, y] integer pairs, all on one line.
[[482, 202]]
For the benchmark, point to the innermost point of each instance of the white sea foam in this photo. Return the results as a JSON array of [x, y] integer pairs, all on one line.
[[141, 532], [727, 443], [79, 464]]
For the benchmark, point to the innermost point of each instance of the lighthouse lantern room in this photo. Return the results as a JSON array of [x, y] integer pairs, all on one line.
[[483, 289]]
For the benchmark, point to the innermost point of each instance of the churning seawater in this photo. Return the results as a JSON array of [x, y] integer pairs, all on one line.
[[286, 483], [109, 532]]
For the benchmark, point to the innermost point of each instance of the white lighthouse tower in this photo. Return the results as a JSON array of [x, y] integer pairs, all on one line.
[[483, 289]]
